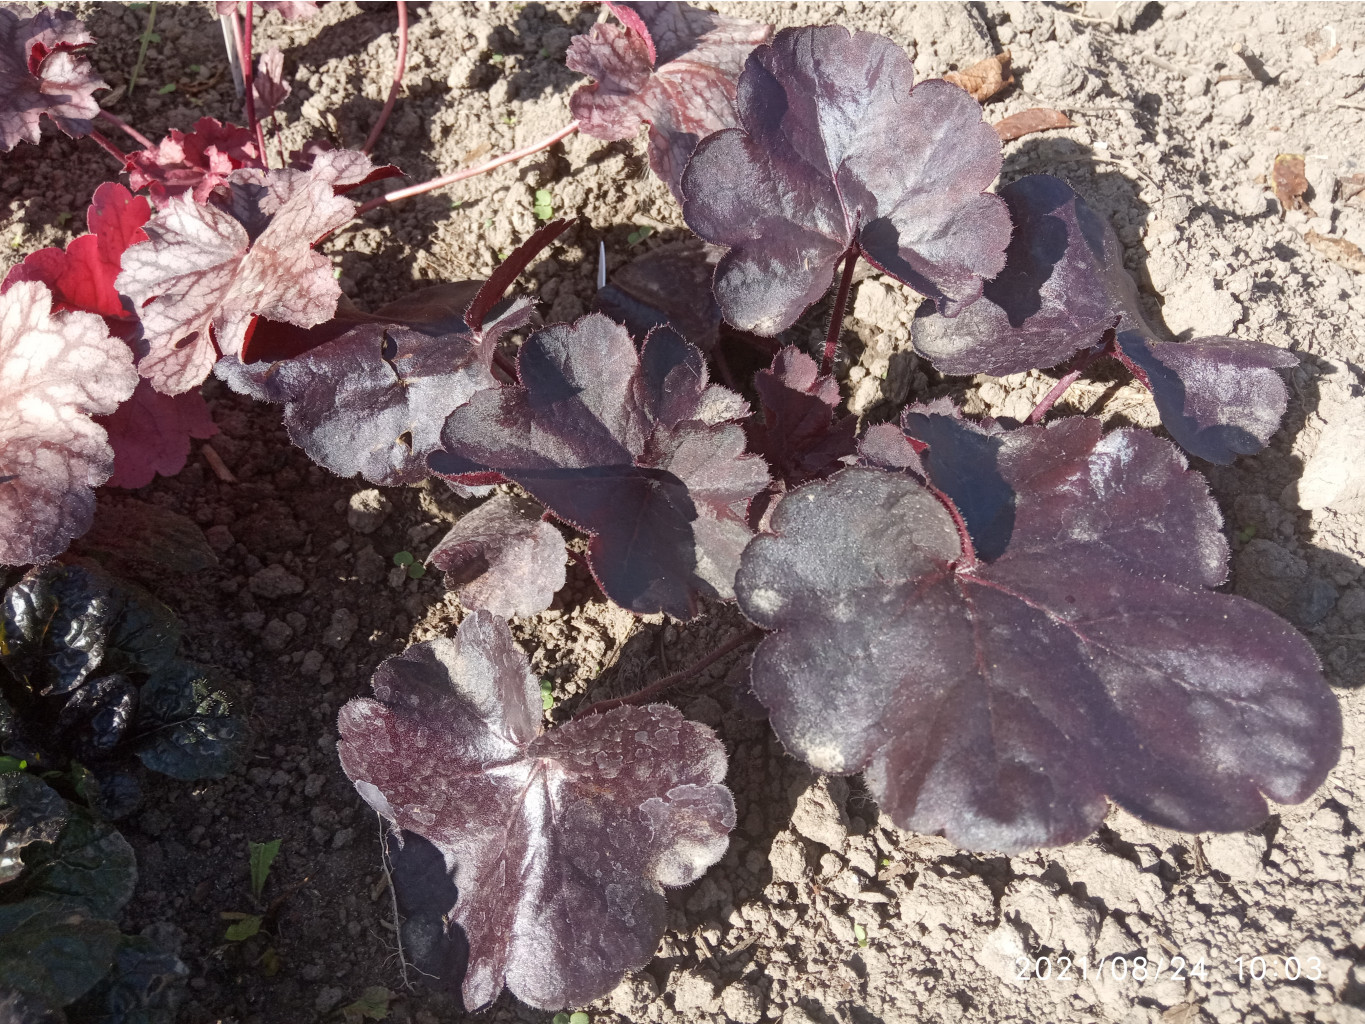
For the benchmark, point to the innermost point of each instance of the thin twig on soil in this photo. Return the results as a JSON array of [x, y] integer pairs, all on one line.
[[217, 464], [669, 681], [128, 130], [472, 172], [397, 78]]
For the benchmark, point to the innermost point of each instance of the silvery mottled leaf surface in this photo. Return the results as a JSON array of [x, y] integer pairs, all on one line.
[[683, 88], [838, 151], [1064, 287], [503, 558], [1001, 699], [43, 73], [57, 370], [208, 269], [561, 841]]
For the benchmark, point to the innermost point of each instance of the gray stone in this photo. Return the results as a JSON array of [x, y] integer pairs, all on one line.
[[787, 858], [367, 510], [1238, 855], [820, 813], [695, 992], [340, 629], [277, 635], [275, 581], [742, 1003], [329, 996]]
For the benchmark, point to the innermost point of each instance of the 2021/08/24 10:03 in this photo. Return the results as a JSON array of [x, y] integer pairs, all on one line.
[[1140, 969]]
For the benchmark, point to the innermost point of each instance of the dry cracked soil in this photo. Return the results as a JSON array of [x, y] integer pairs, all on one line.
[[822, 910]]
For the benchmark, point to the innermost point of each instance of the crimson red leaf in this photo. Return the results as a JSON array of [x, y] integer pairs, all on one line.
[[837, 153], [630, 447], [151, 432], [60, 369], [684, 91], [503, 558], [83, 276], [1064, 287], [197, 162], [1001, 701], [208, 269], [42, 71], [560, 842]]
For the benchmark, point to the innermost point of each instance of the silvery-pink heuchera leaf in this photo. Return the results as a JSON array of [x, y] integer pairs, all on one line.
[[683, 87], [42, 73], [1000, 700], [503, 558], [59, 369], [208, 269], [560, 842], [632, 448], [1065, 287], [151, 432], [197, 161], [836, 152]]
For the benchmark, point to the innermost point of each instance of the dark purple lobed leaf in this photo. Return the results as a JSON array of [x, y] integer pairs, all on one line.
[[795, 429], [1064, 286], [43, 72], [1000, 701], [631, 447], [836, 152], [667, 285], [269, 85], [562, 841], [502, 558], [684, 95], [368, 393]]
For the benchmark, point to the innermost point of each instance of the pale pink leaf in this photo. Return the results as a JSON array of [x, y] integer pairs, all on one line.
[[42, 72], [56, 371], [207, 270]]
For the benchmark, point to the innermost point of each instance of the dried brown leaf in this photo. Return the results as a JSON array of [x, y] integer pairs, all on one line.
[[1026, 122], [1289, 182], [1351, 186], [985, 78], [1338, 250]]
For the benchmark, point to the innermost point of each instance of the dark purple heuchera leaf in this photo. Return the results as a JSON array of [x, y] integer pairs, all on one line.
[[684, 88], [208, 269], [1000, 701], [43, 72], [197, 162], [630, 447], [503, 558], [837, 153], [369, 392], [561, 841], [1064, 288], [60, 369], [795, 429], [667, 285]]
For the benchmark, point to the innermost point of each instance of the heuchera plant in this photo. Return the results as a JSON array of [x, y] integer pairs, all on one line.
[[1004, 626]]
